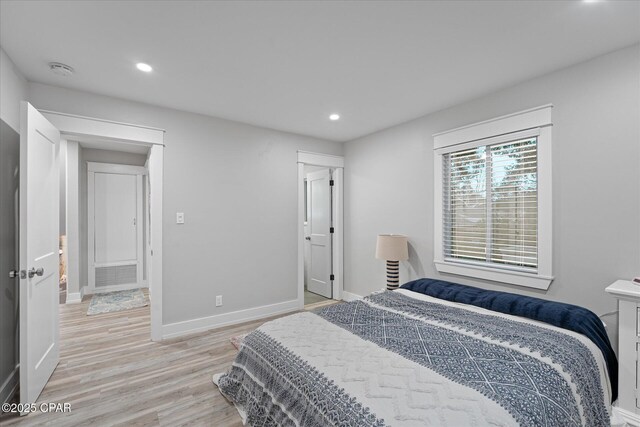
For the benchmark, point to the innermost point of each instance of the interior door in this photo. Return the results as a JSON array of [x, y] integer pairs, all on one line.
[[115, 218], [115, 211], [39, 228], [319, 223]]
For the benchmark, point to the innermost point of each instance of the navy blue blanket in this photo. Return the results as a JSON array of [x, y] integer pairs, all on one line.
[[566, 316]]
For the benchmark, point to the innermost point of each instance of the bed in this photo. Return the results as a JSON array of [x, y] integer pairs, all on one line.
[[430, 353]]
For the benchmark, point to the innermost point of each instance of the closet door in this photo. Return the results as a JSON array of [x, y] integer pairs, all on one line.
[[320, 240], [116, 230], [115, 218]]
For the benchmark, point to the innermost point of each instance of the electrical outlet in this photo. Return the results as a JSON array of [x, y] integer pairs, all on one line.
[[218, 300], [179, 217]]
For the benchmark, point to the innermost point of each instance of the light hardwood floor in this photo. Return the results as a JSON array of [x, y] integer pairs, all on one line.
[[112, 374]]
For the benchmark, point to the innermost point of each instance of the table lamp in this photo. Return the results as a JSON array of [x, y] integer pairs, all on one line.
[[392, 248]]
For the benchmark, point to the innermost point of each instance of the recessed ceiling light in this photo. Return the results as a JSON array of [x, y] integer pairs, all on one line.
[[591, 1], [144, 67], [334, 116]]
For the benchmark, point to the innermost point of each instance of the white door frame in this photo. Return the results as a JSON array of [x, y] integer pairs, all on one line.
[[336, 163], [75, 128], [140, 172]]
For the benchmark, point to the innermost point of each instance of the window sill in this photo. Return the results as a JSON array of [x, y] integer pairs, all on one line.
[[528, 280]]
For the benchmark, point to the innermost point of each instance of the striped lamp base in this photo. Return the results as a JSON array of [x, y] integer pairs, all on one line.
[[393, 274]]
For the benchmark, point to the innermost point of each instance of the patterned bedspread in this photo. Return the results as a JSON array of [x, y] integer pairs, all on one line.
[[406, 359]]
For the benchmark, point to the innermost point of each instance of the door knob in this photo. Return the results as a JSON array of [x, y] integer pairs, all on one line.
[[34, 272], [14, 274], [308, 238]]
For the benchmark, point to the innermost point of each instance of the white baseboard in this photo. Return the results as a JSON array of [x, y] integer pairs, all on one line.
[[177, 329], [73, 298], [348, 296], [10, 385], [628, 417]]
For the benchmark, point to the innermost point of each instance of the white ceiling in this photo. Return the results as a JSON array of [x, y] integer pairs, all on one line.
[[287, 65]]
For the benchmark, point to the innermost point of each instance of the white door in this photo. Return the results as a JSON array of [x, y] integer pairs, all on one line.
[[115, 218], [319, 225], [39, 198], [115, 227]]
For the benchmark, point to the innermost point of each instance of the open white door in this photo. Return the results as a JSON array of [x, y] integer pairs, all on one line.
[[39, 260], [319, 220]]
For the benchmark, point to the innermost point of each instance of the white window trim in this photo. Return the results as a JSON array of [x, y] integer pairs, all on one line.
[[491, 131]]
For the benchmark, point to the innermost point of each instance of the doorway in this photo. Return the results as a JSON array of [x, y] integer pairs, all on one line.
[[82, 135], [115, 226], [320, 231], [42, 135], [318, 227]]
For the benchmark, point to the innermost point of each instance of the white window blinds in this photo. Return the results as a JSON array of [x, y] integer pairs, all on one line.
[[490, 204]]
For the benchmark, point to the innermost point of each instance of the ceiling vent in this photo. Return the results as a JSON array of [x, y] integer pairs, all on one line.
[[60, 69]]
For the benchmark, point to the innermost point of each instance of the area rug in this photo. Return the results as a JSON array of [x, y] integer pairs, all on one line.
[[237, 340], [109, 302]]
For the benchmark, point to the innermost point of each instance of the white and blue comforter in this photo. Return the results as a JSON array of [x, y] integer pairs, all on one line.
[[405, 359]]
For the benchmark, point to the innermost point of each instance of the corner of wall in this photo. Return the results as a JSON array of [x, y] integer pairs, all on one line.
[[13, 89]]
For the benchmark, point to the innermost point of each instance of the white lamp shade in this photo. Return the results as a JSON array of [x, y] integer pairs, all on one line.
[[392, 247]]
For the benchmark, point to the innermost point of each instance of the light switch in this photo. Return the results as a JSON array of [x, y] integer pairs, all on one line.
[[179, 217]]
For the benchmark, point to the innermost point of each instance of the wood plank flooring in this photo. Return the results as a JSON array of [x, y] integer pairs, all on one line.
[[112, 374]]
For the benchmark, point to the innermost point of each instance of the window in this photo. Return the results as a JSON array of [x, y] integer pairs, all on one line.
[[491, 204], [493, 216]]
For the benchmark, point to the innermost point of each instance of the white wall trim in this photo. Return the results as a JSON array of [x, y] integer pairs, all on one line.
[[118, 133], [349, 296], [72, 209], [73, 298], [336, 162], [116, 263], [116, 168], [338, 223], [318, 159], [10, 385], [538, 118], [627, 416], [511, 136], [301, 208], [155, 165], [178, 329], [80, 125], [480, 272], [521, 120]]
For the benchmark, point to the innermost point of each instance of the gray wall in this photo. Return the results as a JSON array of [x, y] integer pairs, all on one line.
[[596, 195], [236, 185], [99, 156], [9, 288], [13, 89]]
